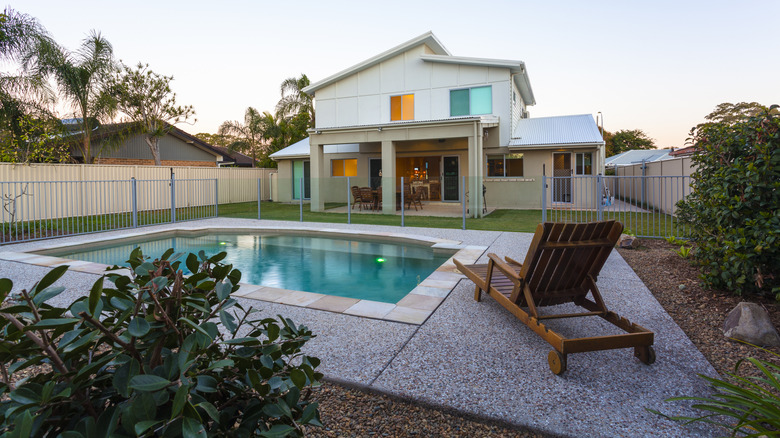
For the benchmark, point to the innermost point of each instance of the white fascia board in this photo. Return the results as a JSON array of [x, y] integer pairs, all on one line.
[[427, 38]]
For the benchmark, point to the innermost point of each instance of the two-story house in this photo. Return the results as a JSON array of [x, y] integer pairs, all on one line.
[[418, 112]]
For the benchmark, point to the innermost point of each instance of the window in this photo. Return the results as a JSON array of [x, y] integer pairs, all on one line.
[[505, 165], [347, 167], [471, 101], [402, 107], [583, 163]]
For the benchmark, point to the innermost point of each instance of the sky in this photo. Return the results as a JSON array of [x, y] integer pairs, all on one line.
[[659, 66]]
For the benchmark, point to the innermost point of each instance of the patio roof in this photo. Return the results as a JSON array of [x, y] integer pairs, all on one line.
[[577, 129], [301, 150]]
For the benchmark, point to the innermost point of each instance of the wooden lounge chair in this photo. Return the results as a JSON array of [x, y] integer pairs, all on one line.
[[561, 266]]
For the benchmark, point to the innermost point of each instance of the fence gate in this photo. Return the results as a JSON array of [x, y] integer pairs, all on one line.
[[646, 205]]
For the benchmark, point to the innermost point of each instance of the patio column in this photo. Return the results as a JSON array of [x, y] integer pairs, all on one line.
[[476, 172], [388, 177], [317, 170]]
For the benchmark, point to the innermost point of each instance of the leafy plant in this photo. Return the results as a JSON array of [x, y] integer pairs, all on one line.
[[684, 251], [752, 402], [734, 209], [674, 240], [146, 357]]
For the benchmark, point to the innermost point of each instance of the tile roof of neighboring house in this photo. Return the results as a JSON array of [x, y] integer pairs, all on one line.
[[558, 130], [237, 158], [635, 156], [688, 150], [301, 150]]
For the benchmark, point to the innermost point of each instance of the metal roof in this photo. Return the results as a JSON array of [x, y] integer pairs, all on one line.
[[301, 150], [635, 156], [559, 130]]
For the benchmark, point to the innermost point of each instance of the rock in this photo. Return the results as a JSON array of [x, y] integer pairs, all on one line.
[[750, 322], [628, 242]]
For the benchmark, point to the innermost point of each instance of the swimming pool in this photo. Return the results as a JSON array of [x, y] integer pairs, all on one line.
[[342, 266]]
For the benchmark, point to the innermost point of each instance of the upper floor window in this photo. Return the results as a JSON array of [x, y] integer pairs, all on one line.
[[347, 167], [402, 107], [471, 101], [505, 165], [583, 163]]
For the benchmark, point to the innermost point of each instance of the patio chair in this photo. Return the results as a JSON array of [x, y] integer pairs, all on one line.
[[366, 198], [560, 267], [410, 198], [435, 192], [356, 197]]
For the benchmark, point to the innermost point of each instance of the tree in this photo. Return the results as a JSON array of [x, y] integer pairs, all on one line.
[[146, 97], [81, 79], [294, 101], [216, 139], [250, 135], [26, 121], [626, 140], [731, 113], [734, 209], [608, 143]]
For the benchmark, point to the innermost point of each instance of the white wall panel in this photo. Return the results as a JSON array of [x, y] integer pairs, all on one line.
[[368, 81], [369, 109], [347, 111]]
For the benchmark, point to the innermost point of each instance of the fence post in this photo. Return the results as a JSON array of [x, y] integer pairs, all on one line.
[[301, 200], [134, 197], [544, 198], [402, 201], [259, 195], [216, 197], [349, 210], [600, 197], [173, 197], [463, 197]]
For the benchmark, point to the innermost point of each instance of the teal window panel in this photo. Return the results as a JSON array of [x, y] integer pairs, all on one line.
[[481, 100], [459, 102]]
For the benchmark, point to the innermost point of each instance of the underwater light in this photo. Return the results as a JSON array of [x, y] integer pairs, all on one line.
[[380, 260], [223, 243]]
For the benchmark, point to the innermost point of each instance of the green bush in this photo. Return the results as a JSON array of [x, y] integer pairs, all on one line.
[[734, 210], [147, 358]]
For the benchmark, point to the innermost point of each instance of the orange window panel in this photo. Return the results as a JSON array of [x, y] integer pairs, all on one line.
[[350, 167], [395, 108], [408, 107]]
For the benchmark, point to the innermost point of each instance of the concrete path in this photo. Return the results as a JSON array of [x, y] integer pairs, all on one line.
[[478, 359]]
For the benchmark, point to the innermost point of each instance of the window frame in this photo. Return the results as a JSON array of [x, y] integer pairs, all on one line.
[[471, 111], [577, 155], [403, 113], [343, 167], [503, 165]]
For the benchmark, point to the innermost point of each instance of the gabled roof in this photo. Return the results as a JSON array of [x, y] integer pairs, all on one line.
[[427, 38], [578, 129], [301, 149], [635, 156]]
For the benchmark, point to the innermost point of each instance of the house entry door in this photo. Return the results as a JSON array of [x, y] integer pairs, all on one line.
[[561, 177], [301, 169], [450, 177]]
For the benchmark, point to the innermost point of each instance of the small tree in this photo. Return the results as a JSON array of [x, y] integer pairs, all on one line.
[[144, 356], [146, 97], [626, 140], [734, 210]]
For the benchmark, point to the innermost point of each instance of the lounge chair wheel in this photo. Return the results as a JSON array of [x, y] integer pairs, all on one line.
[[645, 354], [557, 362]]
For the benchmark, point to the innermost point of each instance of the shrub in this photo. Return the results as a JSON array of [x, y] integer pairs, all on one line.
[[147, 358], [734, 210]]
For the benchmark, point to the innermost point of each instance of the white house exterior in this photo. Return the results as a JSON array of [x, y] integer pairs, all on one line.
[[418, 112]]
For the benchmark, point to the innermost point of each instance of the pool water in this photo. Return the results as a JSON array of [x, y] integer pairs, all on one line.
[[359, 269]]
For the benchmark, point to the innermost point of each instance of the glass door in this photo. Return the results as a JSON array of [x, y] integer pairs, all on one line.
[[562, 177], [301, 169], [375, 172], [450, 179]]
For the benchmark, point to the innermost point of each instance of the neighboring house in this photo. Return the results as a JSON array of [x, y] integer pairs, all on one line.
[[418, 112], [637, 156], [123, 143]]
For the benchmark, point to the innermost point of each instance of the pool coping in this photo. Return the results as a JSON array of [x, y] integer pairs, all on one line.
[[414, 308]]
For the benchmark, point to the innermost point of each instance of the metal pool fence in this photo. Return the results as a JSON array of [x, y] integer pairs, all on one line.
[[33, 210], [647, 205]]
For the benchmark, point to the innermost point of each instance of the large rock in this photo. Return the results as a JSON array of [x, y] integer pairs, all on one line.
[[750, 322], [629, 242]]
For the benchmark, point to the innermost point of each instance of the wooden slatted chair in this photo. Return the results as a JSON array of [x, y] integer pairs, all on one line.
[[366, 198], [561, 266], [356, 200]]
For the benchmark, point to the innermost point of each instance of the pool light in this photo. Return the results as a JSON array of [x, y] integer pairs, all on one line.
[[380, 260]]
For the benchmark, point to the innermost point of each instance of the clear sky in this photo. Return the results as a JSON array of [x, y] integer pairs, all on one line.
[[659, 66]]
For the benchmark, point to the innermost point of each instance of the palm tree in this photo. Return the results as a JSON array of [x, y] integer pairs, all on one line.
[[81, 79], [294, 101], [250, 135]]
